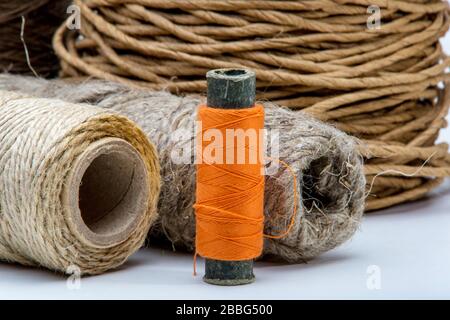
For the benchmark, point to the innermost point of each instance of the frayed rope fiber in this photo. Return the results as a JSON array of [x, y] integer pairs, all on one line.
[[383, 85], [330, 179], [68, 175], [30, 36]]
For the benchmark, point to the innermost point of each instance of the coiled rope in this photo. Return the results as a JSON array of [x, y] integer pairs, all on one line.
[[78, 185], [385, 86]]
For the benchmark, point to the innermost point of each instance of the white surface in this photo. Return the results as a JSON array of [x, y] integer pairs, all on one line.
[[409, 244]]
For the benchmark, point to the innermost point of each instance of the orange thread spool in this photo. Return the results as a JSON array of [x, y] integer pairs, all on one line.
[[230, 179], [230, 193], [227, 229]]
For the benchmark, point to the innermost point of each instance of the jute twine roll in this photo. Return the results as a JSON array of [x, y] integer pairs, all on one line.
[[78, 185], [329, 172], [382, 85], [31, 36]]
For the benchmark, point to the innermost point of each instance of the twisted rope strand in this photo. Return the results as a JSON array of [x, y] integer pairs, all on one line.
[[386, 86]]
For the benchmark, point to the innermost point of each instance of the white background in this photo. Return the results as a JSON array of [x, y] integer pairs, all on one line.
[[409, 244]]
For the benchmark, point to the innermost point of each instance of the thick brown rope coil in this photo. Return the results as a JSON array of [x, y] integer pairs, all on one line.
[[41, 19], [384, 85]]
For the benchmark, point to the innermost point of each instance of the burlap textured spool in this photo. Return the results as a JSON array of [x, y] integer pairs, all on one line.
[[384, 85], [78, 185], [41, 19], [324, 159]]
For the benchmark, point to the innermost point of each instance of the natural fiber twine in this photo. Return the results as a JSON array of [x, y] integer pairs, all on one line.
[[383, 86], [41, 141], [325, 161], [42, 18]]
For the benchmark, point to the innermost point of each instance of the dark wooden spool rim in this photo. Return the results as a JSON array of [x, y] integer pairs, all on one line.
[[230, 89]]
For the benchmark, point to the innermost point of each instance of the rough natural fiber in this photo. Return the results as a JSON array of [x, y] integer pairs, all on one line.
[[41, 19], [382, 85], [41, 144], [325, 160]]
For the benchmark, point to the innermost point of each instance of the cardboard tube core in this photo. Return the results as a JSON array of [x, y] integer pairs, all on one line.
[[107, 192]]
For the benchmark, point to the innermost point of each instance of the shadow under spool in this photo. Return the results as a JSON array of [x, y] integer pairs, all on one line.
[[230, 89], [106, 193]]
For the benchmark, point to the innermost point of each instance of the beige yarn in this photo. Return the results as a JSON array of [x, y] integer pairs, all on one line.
[[325, 160], [383, 86], [40, 140]]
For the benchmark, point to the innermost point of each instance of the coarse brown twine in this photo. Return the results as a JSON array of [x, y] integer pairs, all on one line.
[[26, 31], [383, 85], [330, 179], [78, 185]]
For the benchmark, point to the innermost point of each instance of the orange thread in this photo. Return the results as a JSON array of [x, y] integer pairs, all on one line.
[[294, 209], [230, 196], [195, 263]]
